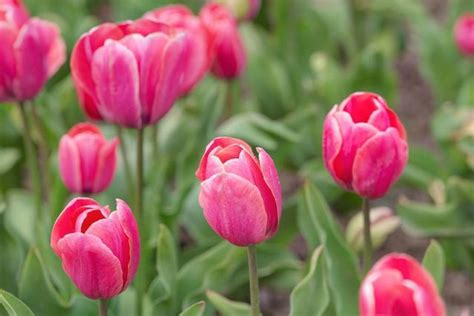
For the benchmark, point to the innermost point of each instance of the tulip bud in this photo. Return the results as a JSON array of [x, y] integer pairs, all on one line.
[[197, 61], [87, 159], [242, 9], [31, 51], [240, 194], [364, 145], [130, 73], [464, 34], [382, 223], [99, 250], [398, 285], [229, 57]]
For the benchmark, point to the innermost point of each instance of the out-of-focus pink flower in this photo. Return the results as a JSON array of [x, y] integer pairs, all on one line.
[[130, 73], [240, 194], [398, 285], [229, 57], [31, 51], [197, 59], [86, 159], [464, 34], [242, 9], [364, 145], [99, 250]]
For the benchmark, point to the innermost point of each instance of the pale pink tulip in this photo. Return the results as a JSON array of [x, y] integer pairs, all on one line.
[[464, 34], [197, 60], [398, 285], [31, 51], [364, 145], [99, 250], [240, 194], [86, 159], [129, 73]]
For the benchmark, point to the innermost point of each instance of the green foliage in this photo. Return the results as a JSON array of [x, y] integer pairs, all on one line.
[[227, 307], [13, 306], [434, 262]]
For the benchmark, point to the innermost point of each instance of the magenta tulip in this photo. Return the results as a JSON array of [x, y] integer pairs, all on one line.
[[197, 61], [130, 73], [240, 194], [99, 250], [86, 159], [398, 285], [464, 34], [364, 145], [31, 51], [229, 57]]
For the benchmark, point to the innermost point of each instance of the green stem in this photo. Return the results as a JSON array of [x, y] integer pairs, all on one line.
[[229, 100], [138, 209], [102, 307], [253, 279], [126, 161], [31, 159], [154, 139], [43, 153], [367, 235]]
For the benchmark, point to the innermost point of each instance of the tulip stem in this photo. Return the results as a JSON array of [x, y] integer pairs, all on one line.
[[43, 152], [229, 100], [367, 235], [32, 160], [102, 307], [141, 223], [253, 279], [126, 161]]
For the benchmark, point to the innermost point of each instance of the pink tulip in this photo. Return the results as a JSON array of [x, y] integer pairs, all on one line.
[[130, 73], [86, 159], [398, 285], [464, 34], [197, 60], [229, 57], [240, 194], [364, 145], [99, 250], [31, 51]]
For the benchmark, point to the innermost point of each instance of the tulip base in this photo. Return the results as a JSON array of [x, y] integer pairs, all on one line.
[[253, 280], [367, 235]]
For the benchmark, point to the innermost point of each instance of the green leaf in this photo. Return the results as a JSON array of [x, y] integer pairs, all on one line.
[[19, 216], [343, 273], [13, 306], [10, 259], [434, 261], [227, 307], [311, 295], [196, 309], [9, 157]]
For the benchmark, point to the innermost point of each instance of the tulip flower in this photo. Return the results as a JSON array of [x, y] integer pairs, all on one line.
[[229, 57], [86, 159], [242, 9], [197, 61], [129, 73], [31, 51], [240, 194], [99, 250], [464, 34], [364, 145], [398, 285]]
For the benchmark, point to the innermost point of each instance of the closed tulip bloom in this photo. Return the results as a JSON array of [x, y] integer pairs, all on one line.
[[398, 285], [464, 34], [31, 51], [229, 57], [86, 159], [99, 249], [130, 73], [364, 145], [240, 194], [197, 60]]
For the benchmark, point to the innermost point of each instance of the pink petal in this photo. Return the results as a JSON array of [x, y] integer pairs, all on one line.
[[91, 265], [230, 57], [136, 44], [129, 225], [214, 166], [115, 73], [7, 60], [234, 209], [66, 221], [270, 174], [89, 146], [70, 164], [360, 105], [106, 166], [332, 143], [87, 101], [379, 163]]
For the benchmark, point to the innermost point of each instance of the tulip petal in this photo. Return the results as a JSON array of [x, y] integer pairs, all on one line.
[[70, 164], [115, 73], [379, 163], [125, 217], [332, 143], [89, 147], [105, 170], [270, 174], [7, 60], [234, 209], [91, 265]]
